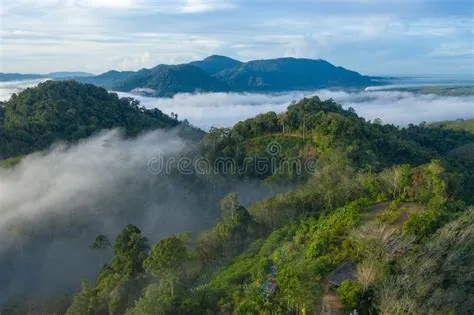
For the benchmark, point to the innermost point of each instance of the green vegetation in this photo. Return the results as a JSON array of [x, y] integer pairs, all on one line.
[[215, 63], [69, 111], [283, 74], [460, 124], [226, 269], [167, 80], [383, 224]]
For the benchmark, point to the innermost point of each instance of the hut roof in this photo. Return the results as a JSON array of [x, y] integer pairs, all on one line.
[[345, 271]]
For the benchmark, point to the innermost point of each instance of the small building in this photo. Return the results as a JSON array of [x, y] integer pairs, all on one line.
[[345, 271]]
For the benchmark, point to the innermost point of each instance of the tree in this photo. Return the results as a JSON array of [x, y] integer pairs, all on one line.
[[233, 213], [283, 118], [101, 243], [85, 303], [167, 259], [130, 250], [350, 292], [377, 121]]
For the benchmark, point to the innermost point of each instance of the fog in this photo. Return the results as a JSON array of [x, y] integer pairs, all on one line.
[[9, 87], [53, 204], [394, 107], [225, 109]]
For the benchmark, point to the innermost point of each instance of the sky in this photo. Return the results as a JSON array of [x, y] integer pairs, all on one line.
[[378, 37]]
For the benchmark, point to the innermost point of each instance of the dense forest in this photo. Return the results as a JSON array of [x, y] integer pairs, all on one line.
[[375, 218], [69, 111]]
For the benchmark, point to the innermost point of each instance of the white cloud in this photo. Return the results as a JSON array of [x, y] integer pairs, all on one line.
[[8, 88], [317, 46], [137, 62], [112, 4], [199, 6], [454, 49]]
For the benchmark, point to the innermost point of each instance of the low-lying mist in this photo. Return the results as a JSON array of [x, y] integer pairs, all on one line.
[[7, 88], [394, 107], [225, 109], [54, 203]]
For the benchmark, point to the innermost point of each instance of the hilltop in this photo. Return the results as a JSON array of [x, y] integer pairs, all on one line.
[[69, 111], [215, 63]]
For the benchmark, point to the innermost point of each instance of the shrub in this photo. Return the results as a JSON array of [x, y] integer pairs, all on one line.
[[350, 292]]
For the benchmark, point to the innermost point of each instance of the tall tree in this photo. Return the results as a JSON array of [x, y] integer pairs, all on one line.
[[130, 250], [233, 212], [167, 259], [100, 244]]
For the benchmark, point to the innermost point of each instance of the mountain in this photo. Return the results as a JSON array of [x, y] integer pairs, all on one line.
[[107, 79], [168, 80], [215, 63], [69, 111], [290, 74], [223, 74], [18, 76], [68, 74], [219, 74], [53, 75]]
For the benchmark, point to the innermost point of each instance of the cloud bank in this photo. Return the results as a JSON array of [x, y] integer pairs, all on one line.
[[225, 109], [10, 87], [54, 203], [393, 107]]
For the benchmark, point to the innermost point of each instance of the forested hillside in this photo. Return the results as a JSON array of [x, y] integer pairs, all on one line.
[[168, 80], [283, 74], [379, 219], [460, 124], [69, 111]]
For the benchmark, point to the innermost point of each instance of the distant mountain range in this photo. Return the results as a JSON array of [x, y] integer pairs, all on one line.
[[53, 75], [223, 74]]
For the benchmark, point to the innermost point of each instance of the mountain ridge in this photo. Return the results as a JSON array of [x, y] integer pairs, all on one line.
[[6, 76], [218, 73]]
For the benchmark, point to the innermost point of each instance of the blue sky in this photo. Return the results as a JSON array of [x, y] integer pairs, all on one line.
[[404, 37]]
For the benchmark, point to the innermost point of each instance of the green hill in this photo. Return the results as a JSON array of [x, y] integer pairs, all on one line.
[[290, 74], [301, 252], [169, 80], [67, 110], [4, 77], [460, 124], [107, 79]]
